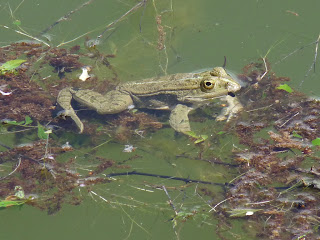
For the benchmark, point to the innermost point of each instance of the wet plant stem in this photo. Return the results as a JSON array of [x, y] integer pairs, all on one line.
[[214, 208], [313, 65], [134, 8], [170, 201]]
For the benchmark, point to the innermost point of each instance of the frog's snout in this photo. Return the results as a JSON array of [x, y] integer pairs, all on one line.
[[232, 88]]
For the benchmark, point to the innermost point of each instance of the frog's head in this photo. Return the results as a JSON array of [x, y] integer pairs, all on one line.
[[219, 81], [210, 85]]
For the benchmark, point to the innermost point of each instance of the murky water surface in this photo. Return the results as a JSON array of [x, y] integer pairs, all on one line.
[[157, 199]]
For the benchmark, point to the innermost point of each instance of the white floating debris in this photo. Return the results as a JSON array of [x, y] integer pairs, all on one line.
[[85, 75], [50, 156], [5, 93], [67, 147], [131, 106], [129, 148], [249, 213], [2, 88]]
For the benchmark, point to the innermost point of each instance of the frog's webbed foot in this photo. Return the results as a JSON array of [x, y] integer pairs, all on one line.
[[179, 120], [233, 108], [64, 100]]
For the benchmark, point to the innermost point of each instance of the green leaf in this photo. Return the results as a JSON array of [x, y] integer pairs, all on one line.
[[17, 22], [192, 134], [201, 138], [98, 129], [11, 65], [198, 138], [295, 134], [41, 132], [316, 142], [27, 120], [14, 123], [285, 87], [6, 203], [221, 132]]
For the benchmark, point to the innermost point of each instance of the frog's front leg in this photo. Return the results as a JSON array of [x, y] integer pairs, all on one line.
[[179, 120], [234, 107]]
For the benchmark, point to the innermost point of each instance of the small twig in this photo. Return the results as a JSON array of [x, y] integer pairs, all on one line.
[[72, 40], [170, 201], [295, 51], [27, 35], [18, 6], [297, 113], [214, 208], [232, 180], [99, 196], [258, 203], [137, 6], [66, 17], [313, 65], [257, 109], [13, 170], [266, 69], [140, 28]]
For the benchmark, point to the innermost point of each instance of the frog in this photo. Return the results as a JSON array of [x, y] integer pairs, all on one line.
[[179, 93]]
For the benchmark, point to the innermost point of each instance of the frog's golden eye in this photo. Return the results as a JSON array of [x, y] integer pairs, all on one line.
[[207, 84]]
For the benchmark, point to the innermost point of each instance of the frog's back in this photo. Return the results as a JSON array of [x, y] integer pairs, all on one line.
[[167, 84]]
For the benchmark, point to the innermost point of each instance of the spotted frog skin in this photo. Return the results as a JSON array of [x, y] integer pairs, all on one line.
[[180, 93]]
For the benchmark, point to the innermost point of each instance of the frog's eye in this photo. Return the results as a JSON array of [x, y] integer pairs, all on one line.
[[207, 84]]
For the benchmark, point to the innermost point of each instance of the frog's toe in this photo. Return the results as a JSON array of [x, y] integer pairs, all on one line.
[[78, 122]]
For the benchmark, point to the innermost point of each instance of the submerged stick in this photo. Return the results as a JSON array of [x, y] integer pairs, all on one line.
[[170, 201], [313, 65], [186, 180], [66, 17], [295, 51], [15, 169], [137, 6], [27, 35]]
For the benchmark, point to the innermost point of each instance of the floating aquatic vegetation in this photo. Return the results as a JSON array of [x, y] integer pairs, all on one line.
[[10, 66], [285, 87], [277, 131]]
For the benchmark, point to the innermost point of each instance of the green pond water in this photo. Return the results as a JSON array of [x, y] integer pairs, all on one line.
[[198, 35]]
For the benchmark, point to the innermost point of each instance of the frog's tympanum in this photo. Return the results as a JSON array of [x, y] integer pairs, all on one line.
[[179, 93]]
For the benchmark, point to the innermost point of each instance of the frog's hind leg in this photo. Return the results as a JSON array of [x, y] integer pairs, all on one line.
[[64, 100], [112, 102]]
